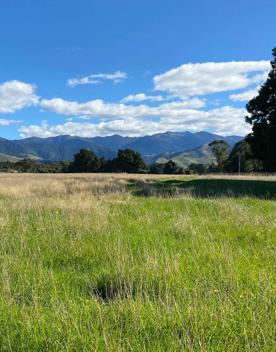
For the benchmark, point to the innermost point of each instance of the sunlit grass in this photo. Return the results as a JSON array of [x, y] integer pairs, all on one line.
[[87, 265]]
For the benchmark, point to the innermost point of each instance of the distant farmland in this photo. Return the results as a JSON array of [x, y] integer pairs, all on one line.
[[137, 263]]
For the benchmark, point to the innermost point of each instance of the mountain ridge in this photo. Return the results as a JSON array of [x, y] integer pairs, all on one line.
[[63, 147]]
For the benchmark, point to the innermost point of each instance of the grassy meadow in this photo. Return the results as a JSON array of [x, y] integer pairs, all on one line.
[[137, 263]]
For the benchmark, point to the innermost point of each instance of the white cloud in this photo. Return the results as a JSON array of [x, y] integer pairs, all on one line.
[[5, 122], [245, 96], [99, 108], [98, 78], [93, 108], [130, 127], [226, 120], [211, 77], [139, 120], [16, 95], [187, 82], [142, 97]]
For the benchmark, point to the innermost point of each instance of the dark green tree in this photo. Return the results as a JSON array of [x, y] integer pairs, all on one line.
[[157, 168], [197, 168], [220, 150], [241, 158], [109, 165], [171, 168], [85, 161], [262, 117], [27, 165], [129, 161]]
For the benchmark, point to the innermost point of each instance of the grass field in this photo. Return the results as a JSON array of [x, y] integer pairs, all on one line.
[[137, 263]]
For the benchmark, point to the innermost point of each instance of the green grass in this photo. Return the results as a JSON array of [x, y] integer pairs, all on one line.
[[83, 270]]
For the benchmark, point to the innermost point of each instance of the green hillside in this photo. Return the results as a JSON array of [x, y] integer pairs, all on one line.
[[201, 155], [6, 157], [14, 158]]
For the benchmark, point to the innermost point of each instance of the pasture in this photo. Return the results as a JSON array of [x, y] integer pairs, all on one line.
[[101, 262]]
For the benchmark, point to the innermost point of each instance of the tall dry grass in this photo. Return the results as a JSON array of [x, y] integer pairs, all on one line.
[[114, 263]]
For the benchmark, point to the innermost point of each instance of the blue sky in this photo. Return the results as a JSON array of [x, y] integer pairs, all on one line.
[[131, 67]]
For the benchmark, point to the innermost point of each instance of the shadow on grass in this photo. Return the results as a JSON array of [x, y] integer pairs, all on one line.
[[108, 288], [205, 188]]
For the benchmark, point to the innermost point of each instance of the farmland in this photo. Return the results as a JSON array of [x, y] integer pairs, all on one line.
[[101, 262]]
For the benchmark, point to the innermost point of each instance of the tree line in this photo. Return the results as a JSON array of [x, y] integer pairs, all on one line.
[[126, 161], [239, 159]]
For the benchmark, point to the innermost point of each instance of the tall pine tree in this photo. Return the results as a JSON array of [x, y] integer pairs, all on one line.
[[262, 117]]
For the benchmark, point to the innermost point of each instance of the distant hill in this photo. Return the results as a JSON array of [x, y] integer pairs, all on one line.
[[6, 157], [61, 147], [11, 148], [200, 155], [64, 147]]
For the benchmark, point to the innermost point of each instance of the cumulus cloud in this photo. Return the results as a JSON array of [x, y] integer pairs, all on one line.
[[130, 127], [93, 108], [245, 96], [142, 97], [138, 120], [99, 108], [187, 85], [226, 120], [196, 79], [16, 95], [5, 122], [98, 78]]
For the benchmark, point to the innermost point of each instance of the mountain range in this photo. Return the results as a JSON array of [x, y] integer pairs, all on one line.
[[155, 147]]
